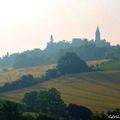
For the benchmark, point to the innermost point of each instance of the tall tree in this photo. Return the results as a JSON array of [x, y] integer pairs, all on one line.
[[71, 63], [46, 102], [10, 111]]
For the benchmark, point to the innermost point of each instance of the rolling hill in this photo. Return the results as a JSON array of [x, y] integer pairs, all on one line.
[[100, 91], [11, 74]]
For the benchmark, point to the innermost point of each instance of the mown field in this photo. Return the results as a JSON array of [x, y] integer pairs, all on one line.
[[10, 74], [98, 62], [100, 91]]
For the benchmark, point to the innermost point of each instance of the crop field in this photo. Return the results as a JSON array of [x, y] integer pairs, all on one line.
[[10, 74], [99, 91], [98, 62]]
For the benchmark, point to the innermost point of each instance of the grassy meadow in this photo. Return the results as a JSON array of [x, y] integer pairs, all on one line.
[[110, 66]]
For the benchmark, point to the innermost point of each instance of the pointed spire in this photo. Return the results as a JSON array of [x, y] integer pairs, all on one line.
[[97, 30], [51, 38], [97, 35]]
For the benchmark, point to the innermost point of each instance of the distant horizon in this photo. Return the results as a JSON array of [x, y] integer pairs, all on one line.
[[55, 42], [28, 24]]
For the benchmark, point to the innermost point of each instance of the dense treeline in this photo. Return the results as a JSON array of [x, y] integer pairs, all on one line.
[[15, 111], [23, 82], [48, 105], [37, 57]]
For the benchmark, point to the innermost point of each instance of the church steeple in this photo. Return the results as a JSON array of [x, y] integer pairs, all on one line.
[[97, 35], [51, 39]]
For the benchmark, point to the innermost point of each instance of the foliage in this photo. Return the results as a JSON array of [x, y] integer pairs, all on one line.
[[113, 114], [51, 107], [85, 49], [10, 110], [45, 101], [30, 100], [23, 60], [51, 73], [36, 116], [114, 53], [43, 116], [24, 81], [71, 63], [76, 112]]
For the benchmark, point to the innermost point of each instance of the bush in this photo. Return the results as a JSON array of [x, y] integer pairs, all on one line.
[[51, 73], [76, 112], [24, 81]]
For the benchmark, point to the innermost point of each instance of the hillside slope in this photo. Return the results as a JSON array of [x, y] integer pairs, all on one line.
[[99, 91], [11, 74]]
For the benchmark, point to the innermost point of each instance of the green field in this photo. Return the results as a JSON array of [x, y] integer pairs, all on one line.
[[110, 66], [100, 91]]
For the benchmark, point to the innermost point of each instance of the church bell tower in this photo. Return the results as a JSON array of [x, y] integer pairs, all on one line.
[[97, 35], [51, 39]]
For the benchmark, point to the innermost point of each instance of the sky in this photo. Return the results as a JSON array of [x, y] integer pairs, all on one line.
[[28, 24]]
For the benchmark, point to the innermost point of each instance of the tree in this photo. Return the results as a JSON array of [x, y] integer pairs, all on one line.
[[51, 73], [71, 63], [76, 112], [30, 101], [24, 81], [55, 104], [36, 116], [46, 102], [10, 111], [42, 116]]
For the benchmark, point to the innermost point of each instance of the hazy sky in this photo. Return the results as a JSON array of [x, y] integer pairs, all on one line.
[[27, 24]]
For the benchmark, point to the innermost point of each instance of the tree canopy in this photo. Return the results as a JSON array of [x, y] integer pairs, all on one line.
[[71, 63], [45, 101]]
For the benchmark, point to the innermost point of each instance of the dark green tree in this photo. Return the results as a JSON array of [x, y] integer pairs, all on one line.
[[71, 63], [56, 105], [46, 102], [30, 101], [51, 73], [10, 111], [42, 116]]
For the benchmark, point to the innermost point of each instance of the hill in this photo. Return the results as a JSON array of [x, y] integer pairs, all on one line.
[[11, 74], [97, 90], [85, 49]]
